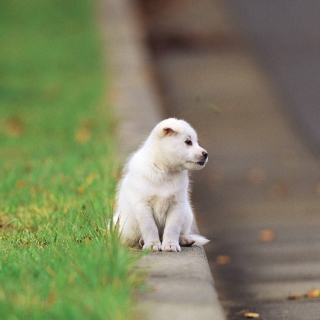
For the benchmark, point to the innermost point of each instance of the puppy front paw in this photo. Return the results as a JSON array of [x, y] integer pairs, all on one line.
[[170, 246], [153, 246]]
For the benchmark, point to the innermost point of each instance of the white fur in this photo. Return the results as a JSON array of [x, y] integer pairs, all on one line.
[[153, 205]]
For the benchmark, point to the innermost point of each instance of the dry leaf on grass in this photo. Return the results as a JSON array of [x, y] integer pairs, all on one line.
[[90, 178], [81, 190], [83, 134], [14, 127], [51, 299], [20, 184]]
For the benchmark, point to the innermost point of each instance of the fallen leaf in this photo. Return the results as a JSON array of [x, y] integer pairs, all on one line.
[[83, 134], [313, 293], [81, 190], [251, 315], [20, 184], [90, 178], [267, 235], [50, 271], [223, 260], [294, 297], [51, 298], [14, 127]]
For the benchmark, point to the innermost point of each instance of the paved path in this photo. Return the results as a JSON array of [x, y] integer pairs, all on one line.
[[261, 176]]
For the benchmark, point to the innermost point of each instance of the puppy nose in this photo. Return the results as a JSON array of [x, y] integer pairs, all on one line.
[[205, 154]]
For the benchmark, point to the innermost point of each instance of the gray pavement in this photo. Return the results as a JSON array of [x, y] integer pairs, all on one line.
[[286, 38], [180, 285], [261, 174]]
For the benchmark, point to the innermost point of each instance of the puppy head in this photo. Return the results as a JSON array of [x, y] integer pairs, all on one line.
[[178, 145]]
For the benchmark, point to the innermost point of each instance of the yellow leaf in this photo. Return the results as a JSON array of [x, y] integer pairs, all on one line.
[[313, 293], [267, 235], [81, 190], [222, 260], [50, 271], [251, 315], [90, 178]]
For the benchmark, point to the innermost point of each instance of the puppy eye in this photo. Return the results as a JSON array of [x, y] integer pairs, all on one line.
[[188, 142]]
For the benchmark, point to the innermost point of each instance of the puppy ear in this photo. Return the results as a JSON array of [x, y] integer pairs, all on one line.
[[168, 132], [169, 127]]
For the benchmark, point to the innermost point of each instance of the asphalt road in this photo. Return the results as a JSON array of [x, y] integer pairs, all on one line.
[[258, 199], [285, 36]]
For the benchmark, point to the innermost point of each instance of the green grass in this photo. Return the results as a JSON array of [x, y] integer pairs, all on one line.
[[58, 169]]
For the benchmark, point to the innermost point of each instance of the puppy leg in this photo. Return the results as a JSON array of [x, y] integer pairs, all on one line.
[[148, 228], [172, 230]]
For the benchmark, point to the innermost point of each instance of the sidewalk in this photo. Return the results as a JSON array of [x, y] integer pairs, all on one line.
[[258, 198], [181, 283]]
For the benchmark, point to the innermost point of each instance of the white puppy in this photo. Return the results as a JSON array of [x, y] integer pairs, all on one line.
[[153, 206]]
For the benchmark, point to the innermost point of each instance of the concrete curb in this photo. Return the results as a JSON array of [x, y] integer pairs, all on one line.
[[182, 283], [182, 286]]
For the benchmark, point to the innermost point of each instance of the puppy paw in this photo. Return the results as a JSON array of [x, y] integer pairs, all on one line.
[[152, 246], [170, 246], [186, 241]]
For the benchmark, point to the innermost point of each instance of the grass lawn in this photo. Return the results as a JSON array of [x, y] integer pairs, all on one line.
[[58, 169]]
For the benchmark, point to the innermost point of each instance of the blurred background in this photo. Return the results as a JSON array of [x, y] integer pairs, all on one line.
[[284, 38]]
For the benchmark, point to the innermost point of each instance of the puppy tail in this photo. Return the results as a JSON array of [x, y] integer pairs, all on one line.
[[199, 240]]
